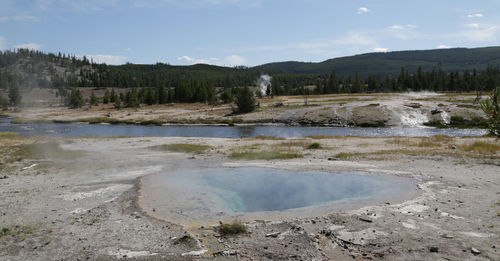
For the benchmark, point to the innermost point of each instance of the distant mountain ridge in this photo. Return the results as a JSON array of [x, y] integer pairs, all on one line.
[[390, 63]]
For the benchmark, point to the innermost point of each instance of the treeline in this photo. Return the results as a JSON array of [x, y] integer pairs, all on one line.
[[198, 83], [436, 80]]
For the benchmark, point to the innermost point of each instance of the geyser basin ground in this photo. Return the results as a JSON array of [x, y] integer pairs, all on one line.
[[210, 194]]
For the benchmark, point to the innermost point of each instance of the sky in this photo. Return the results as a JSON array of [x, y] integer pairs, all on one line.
[[243, 32]]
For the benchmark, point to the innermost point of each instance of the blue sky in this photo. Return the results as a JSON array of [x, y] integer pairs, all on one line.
[[243, 32]]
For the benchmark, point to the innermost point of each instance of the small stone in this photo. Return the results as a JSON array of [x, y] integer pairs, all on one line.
[[154, 209], [434, 249], [453, 147], [475, 251], [365, 219]]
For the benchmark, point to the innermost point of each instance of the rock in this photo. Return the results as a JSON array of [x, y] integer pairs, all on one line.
[[365, 219], [433, 249], [475, 251], [453, 147], [274, 234]]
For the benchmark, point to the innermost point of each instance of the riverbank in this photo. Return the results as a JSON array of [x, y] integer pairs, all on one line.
[[81, 198], [364, 110]]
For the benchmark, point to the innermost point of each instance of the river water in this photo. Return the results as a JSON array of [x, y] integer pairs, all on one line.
[[81, 129]]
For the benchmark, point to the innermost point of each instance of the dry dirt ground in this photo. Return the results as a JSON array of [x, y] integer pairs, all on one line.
[[335, 110], [82, 200]]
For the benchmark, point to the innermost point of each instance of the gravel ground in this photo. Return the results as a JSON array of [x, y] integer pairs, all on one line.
[[91, 206]]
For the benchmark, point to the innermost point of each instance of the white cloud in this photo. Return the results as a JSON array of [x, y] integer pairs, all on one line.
[[479, 33], [363, 10], [380, 49], [442, 46], [473, 25], [403, 32], [191, 60], [127, 49], [234, 60], [31, 46], [2, 43], [17, 18], [107, 58], [396, 27], [475, 15]]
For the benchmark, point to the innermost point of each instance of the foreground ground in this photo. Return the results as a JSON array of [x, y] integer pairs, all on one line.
[[80, 199]]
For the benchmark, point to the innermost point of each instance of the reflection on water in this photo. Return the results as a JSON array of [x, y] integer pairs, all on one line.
[[263, 189], [75, 130]]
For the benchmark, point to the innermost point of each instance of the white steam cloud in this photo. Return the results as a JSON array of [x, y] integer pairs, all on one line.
[[264, 82]]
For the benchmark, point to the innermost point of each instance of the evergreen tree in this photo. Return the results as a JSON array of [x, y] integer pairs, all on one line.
[[14, 94], [76, 99], [245, 100], [226, 96], [162, 95], [105, 98], [118, 103], [93, 99], [112, 97]]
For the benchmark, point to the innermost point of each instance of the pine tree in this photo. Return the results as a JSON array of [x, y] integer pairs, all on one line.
[[14, 94], [245, 100], [75, 99], [105, 98], [112, 97], [93, 99]]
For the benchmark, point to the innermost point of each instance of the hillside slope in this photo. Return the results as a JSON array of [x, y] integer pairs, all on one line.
[[390, 63]]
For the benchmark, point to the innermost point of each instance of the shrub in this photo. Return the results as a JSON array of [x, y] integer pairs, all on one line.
[[232, 229], [491, 107], [314, 146]]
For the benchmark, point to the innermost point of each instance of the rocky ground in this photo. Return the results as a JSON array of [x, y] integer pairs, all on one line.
[[82, 200]]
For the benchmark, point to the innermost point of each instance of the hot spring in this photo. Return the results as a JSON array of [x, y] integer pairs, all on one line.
[[223, 193]]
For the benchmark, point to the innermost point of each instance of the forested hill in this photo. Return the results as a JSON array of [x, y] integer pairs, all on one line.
[[390, 63]]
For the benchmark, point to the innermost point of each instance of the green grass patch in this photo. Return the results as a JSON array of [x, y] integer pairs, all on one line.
[[182, 147], [314, 146], [8, 135], [263, 155], [232, 229]]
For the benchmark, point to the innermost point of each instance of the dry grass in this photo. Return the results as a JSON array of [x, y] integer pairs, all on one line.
[[263, 137], [481, 147], [264, 155], [232, 229], [182, 147]]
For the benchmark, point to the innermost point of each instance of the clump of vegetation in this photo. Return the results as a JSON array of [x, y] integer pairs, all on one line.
[[8, 135], [263, 137], [367, 124], [346, 155], [263, 155], [482, 147], [314, 146], [182, 147], [491, 107], [17, 230], [232, 229]]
